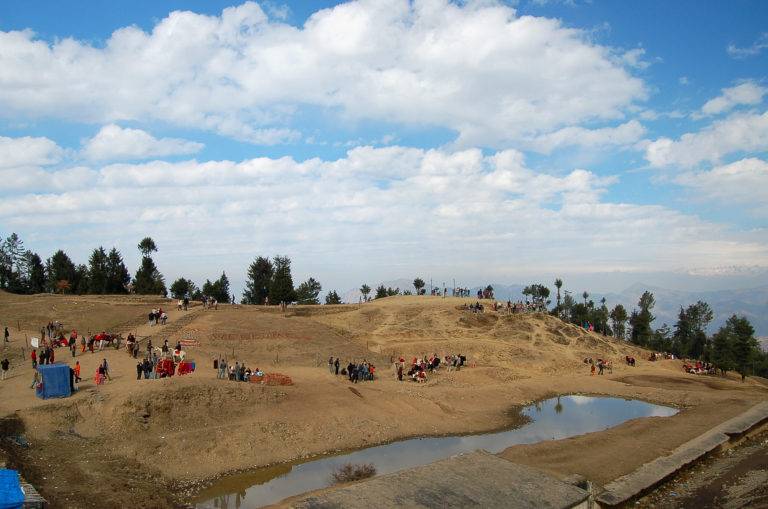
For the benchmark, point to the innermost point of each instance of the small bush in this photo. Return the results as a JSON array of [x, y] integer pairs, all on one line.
[[349, 472]]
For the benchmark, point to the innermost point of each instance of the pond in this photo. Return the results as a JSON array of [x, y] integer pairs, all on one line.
[[552, 419]]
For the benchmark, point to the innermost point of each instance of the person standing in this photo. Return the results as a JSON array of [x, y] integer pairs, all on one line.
[[4, 365], [336, 366], [33, 355], [77, 372], [139, 369], [106, 370]]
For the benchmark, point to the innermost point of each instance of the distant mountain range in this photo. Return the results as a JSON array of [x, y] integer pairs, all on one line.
[[751, 303]]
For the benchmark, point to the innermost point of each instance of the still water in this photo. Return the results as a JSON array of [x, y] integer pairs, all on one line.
[[552, 419]]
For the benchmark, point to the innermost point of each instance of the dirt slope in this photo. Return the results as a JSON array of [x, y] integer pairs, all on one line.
[[174, 432]]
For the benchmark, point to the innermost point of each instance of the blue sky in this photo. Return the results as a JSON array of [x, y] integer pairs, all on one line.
[[378, 139]]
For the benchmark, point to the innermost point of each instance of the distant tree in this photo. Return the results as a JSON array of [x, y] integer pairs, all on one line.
[[117, 273], [690, 338], [259, 280], [393, 291], [147, 246], [281, 289], [148, 280], [365, 290], [641, 320], [662, 339], [58, 268], [418, 283], [568, 303], [35, 273], [183, 288], [13, 261], [218, 290], [537, 292], [619, 317], [744, 343], [308, 292], [722, 349], [222, 289], [332, 298], [98, 271], [381, 292], [81, 283], [601, 316], [558, 285], [585, 295]]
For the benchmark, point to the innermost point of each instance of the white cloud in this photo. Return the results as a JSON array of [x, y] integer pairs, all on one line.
[[475, 68], [742, 132], [113, 142], [370, 204], [747, 93], [755, 49], [684, 80], [28, 151], [622, 135], [744, 182], [634, 58]]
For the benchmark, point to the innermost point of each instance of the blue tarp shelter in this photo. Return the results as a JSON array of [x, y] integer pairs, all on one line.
[[11, 496], [55, 381]]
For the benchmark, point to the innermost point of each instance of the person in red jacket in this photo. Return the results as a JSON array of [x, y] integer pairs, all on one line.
[[33, 355]]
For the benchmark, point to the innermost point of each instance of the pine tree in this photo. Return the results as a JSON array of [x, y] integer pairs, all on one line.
[[148, 280], [619, 318], [308, 291], [418, 283], [60, 268], [80, 284], [744, 344], [182, 288], [221, 289], [281, 288], [35, 273], [259, 280], [98, 272], [117, 273], [332, 298], [381, 292], [366, 291], [641, 320], [722, 350], [14, 264]]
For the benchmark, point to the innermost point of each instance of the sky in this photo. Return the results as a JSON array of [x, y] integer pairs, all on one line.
[[380, 139]]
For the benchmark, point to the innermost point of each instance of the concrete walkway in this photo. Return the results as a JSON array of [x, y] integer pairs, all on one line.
[[654, 472], [477, 479]]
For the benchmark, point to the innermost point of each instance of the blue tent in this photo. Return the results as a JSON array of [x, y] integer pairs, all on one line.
[[55, 381], [11, 496]]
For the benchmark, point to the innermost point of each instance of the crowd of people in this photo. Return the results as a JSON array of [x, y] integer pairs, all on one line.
[[157, 317], [699, 368], [355, 371], [508, 307], [236, 372]]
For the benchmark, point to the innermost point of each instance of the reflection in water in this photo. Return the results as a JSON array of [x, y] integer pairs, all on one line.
[[552, 419]]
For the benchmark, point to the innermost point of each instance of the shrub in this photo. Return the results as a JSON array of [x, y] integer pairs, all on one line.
[[349, 472]]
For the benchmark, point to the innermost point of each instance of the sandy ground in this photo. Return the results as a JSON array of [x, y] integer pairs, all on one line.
[[150, 443]]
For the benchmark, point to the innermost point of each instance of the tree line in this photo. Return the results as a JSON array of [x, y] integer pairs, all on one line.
[[732, 347]]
